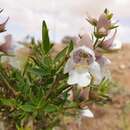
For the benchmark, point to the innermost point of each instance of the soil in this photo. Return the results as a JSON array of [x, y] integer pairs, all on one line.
[[120, 66]]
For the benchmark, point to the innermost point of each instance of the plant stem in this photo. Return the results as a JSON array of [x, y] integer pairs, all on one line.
[[56, 81], [95, 44], [8, 85]]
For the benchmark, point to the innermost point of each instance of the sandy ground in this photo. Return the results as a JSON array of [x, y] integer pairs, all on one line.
[[120, 66]]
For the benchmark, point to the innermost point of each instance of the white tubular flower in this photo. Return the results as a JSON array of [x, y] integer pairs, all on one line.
[[87, 113], [82, 67]]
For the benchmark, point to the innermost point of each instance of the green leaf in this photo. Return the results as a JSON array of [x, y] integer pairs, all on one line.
[[40, 72], [45, 38], [104, 86], [113, 27], [8, 102], [61, 55], [33, 41], [72, 104], [71, 47], [47, 62], [27, 108], [50, 108], [21, 128]]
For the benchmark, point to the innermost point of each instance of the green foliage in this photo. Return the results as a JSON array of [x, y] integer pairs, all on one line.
[[40, 88], [100, 94], [8, 102], [46, 46]]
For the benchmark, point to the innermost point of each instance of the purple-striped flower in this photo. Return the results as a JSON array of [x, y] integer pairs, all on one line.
[[103, 62], [111, 44], [82, 67], [103, 25]]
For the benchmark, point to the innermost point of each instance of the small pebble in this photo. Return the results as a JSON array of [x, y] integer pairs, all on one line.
[[122, 66]]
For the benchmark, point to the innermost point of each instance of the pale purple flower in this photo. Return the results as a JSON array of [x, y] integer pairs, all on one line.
[[111, 43], [103, 62], [6, 46], [82, 67], [103, 24], [84, 40], [116, 45], [91, 20]]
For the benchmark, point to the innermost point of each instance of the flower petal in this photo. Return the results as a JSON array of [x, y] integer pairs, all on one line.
[[102, 60], [86, 49], [103, 22], [116, 45], [85, 40], [82, 79], [107, 44], [91, 20], [95, 71], [72, 78], [87, 113], [68, 66]]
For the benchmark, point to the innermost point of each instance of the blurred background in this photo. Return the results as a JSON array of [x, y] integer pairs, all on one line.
[[64, 17]]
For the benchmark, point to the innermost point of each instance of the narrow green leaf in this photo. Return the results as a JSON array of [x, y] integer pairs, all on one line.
[[60, 56], [40, 71], [47, 62], [8, 102], [113, 27], [50, 108], [33, 41], [71, 46], [27, 108], [45, 38]]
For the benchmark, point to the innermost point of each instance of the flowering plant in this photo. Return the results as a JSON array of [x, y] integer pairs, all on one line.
[[38, 89]]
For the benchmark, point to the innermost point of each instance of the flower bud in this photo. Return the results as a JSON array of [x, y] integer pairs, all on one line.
[[103, 25], [102, 32], [91, 20]]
